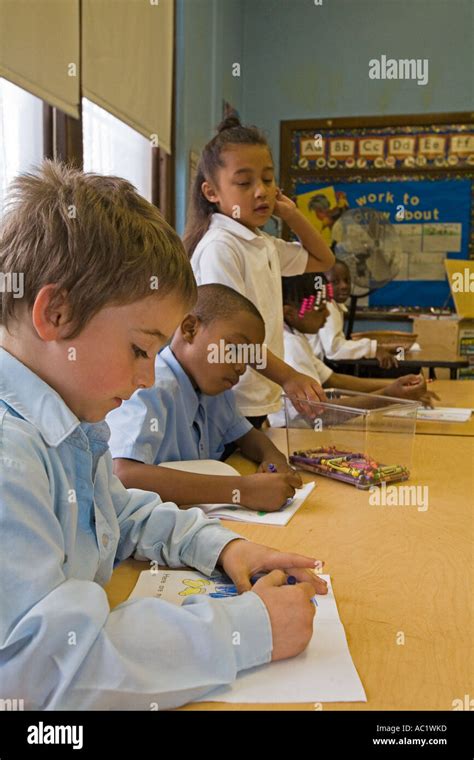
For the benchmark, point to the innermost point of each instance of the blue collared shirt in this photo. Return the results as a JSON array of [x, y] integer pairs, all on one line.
[[172, 421], [65, 521]]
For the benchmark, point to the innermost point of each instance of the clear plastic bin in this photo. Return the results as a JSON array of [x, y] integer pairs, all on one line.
[[363, 439]]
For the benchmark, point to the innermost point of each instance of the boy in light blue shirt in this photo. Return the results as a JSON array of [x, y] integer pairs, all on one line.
[[190, 412], [104, 288]]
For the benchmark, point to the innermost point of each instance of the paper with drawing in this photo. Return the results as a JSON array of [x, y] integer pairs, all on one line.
[[234, 511], [324, 672]]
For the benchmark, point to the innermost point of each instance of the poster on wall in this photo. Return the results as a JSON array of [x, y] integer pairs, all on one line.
[[416, 170], [432, 220]]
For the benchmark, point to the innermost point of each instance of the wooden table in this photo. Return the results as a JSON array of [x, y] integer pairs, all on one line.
[[429, 357], [395, 570], [457, 393]]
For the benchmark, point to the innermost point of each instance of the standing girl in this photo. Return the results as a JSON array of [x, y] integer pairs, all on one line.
[[235, 194]]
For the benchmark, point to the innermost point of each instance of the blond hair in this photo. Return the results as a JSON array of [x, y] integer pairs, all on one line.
[[92, 236]]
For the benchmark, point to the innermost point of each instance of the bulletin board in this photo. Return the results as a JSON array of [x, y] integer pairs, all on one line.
[[417, 170]]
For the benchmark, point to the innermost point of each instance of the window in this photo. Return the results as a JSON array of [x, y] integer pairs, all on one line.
[[112, 147], [21, 134]]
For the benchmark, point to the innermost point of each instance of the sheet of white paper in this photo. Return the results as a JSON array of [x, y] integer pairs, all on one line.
[[324, 672], [444, 414], [233, 511], [241, 514], [438, 414]]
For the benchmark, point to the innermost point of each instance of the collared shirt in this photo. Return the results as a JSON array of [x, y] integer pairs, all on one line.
[[173, 421], [252, 263], [330, 341], [299, 355], [65, 520]]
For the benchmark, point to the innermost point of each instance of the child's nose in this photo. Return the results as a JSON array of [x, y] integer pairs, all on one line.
[[146, 376]]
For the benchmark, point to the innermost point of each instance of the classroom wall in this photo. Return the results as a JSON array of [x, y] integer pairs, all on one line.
[[210, 36], [304, 60], [312, 61]]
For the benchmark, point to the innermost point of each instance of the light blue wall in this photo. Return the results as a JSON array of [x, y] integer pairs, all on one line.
[[303, 60], [209, 35]]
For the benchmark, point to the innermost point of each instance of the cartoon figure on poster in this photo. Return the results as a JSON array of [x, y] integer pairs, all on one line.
[[323, 208]]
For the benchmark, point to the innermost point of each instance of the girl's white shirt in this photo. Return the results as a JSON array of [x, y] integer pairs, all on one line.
[[252, 263], [330, 341]]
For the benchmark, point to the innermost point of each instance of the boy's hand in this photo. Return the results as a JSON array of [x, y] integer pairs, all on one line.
[[284, 206], [241, 560], [268, 491], [291, 614], [280, 465], [411, 387], [303, 386], [385, 356]]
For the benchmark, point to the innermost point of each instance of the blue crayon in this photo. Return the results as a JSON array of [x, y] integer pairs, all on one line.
[[271, 468], [257, 577], [290, 581]]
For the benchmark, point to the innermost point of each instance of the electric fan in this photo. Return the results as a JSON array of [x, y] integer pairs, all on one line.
[[367, 242]]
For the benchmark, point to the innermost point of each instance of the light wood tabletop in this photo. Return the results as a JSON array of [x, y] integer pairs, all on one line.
[[457, 393], [403, 578]]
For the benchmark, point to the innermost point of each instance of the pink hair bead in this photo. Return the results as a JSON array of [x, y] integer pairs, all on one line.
[[303, 308]]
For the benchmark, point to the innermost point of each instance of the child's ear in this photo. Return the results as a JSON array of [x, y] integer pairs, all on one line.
[[51, 313], [209, 192], [289, 313], [189, 328]]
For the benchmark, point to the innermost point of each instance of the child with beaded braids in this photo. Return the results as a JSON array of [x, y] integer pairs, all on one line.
[[305, 299]]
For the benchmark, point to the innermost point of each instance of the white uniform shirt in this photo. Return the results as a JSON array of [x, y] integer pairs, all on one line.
[[252, 263], [331, 343], [299, 355]]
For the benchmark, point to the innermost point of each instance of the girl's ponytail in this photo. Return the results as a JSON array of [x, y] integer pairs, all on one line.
[[199, 214], [228, 123]]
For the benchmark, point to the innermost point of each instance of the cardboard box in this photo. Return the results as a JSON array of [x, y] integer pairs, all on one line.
[[441, 331], [456, 332]]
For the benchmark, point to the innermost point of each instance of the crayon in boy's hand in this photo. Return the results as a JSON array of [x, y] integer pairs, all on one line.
[[290, 581]]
